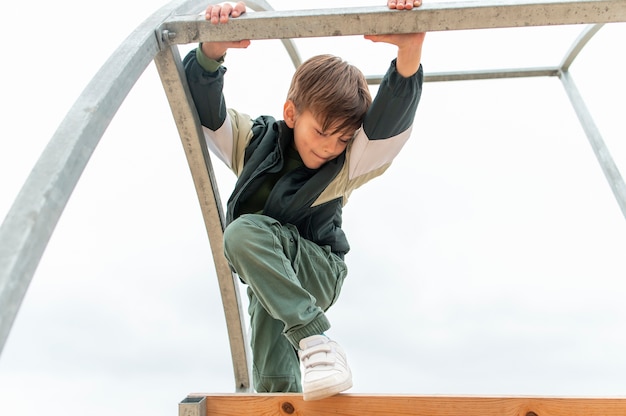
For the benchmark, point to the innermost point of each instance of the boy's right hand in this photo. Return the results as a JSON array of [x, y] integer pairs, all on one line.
[[220, 13], [403, 4]]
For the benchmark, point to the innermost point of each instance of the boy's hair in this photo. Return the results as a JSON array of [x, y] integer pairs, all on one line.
[[335, 91]]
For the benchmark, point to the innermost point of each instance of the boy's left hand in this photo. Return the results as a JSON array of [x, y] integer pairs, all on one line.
[[409, 44], [403, 4], [219, 14]]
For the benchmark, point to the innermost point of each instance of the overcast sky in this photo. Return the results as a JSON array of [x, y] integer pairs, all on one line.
[[488, 260]]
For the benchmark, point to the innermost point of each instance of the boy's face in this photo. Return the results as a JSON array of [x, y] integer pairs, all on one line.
[[314, 145]]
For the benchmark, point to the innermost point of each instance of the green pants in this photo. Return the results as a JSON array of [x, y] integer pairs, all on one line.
[[291, 282]]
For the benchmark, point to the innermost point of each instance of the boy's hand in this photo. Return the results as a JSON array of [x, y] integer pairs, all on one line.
[[220, 13], [409, 44], [403, 4]]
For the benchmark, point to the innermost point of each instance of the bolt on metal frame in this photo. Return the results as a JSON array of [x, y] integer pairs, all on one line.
[[31, 220]]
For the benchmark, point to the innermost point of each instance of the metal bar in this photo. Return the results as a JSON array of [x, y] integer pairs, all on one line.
[[172, 74], [479, 74], [192, 406], [491, 74], [611, 172], [579, 44], [289, 44], [27, 228], [376, 20], [31, 220]]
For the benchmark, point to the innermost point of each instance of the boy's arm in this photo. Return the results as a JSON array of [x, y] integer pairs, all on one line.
[[220, 13], [409, 44], [204, 71], [206, 80], [387, 125], [205, 77]]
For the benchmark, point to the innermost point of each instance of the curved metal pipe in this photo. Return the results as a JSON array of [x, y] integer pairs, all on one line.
[[579, 44], [290, 46], [29, 224]]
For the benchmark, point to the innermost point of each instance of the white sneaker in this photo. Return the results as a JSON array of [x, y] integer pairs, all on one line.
[[325, 371]]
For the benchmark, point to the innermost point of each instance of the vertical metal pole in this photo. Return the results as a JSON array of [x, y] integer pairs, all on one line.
[[172, 74], [192, 406], [611, 172]]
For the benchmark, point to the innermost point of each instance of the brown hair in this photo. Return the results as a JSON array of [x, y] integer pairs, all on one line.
[[335, 91]]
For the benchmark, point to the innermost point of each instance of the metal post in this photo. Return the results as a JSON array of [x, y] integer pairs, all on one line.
[[611, 172], [174, 82], [192, 406]]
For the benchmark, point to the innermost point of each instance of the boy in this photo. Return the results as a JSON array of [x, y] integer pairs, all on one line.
[[283, 235]]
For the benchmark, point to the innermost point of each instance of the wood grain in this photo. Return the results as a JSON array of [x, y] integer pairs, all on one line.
[[400, 405]]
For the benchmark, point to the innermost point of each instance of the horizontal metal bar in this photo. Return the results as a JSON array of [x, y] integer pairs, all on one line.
[[377, 20], [480, 74], [290, 47], [492, 74]]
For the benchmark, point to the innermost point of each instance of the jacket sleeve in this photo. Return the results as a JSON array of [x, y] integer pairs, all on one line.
[[226, 131], [206, 90], [388, 123]]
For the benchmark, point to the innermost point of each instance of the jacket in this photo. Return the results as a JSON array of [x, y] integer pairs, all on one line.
[[312, 200]]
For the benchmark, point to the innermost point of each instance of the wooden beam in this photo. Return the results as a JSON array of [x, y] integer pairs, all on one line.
[[430, 17], [400, 405]]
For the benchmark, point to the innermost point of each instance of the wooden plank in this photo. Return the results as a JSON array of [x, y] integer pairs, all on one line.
[[400, 405]]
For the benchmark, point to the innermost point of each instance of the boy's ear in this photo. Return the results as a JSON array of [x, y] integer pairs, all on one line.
[[289, 113]]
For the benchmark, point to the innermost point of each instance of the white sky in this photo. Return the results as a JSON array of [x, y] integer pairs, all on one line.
[[487, 260]]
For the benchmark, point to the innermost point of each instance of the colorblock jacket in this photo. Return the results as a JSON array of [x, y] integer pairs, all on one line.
[[312, 200]]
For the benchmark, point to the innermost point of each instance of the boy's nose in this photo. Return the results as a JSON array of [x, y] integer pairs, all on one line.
[[330, 145]]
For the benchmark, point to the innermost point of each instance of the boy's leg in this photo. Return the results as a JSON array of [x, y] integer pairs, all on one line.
[[276, 367], [292, 282], [294, 279]]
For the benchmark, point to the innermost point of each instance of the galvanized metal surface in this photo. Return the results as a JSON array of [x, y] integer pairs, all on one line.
[[27, 228], [603, 155], [175, 84], [192, 406], [290, 47], [611, 172], [430, 17], [31, 221], [481, 74], [578, 45]]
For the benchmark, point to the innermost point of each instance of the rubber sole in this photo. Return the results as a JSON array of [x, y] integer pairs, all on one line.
[[322, 393]]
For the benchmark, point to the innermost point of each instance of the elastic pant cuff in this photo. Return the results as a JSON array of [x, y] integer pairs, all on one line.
[[316, 327]]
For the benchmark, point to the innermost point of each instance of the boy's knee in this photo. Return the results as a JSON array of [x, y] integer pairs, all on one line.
[[235, 235], [244, 232]]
